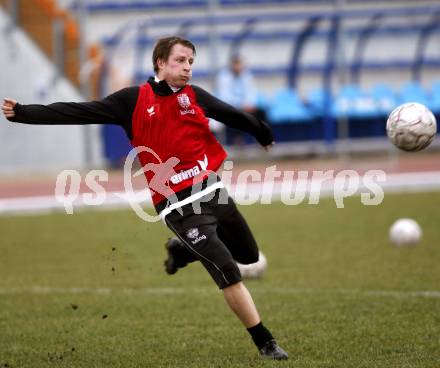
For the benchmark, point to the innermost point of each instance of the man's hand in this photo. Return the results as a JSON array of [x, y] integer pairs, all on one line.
[[8, 107], [269, 146]]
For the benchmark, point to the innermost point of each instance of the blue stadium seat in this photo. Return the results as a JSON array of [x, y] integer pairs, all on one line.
[[262, 101], [413, 91], [352, 102], [316, 101], [384, 98], [287, 107], [435, 97]]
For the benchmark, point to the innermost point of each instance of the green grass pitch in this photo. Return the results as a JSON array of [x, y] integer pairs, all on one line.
[[89, 290]]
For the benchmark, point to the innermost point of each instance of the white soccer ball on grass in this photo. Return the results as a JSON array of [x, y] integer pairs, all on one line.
[[405, 232]]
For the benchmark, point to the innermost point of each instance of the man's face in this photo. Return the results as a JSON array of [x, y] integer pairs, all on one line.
[[177, 70], [236, 66]]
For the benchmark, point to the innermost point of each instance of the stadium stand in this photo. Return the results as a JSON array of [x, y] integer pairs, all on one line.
[[302, 61]]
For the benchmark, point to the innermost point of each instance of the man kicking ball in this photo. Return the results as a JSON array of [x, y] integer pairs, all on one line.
[[169, 116]]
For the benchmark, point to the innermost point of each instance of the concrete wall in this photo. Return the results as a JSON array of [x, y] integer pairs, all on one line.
[[27, 76]]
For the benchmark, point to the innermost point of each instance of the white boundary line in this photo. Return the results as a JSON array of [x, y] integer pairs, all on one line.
[[43, 290]]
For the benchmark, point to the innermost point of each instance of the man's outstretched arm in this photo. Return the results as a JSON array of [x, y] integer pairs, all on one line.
[[114, 109]]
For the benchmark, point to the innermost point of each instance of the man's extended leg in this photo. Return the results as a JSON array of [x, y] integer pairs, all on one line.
[[237, 295], [241, 303], [199, 235]]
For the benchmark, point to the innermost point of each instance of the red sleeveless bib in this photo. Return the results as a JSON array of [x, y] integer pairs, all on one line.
[[176, 147]]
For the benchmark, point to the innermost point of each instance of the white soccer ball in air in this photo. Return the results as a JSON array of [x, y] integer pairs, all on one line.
[[411, 126], [254, 270], [405, 232]]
